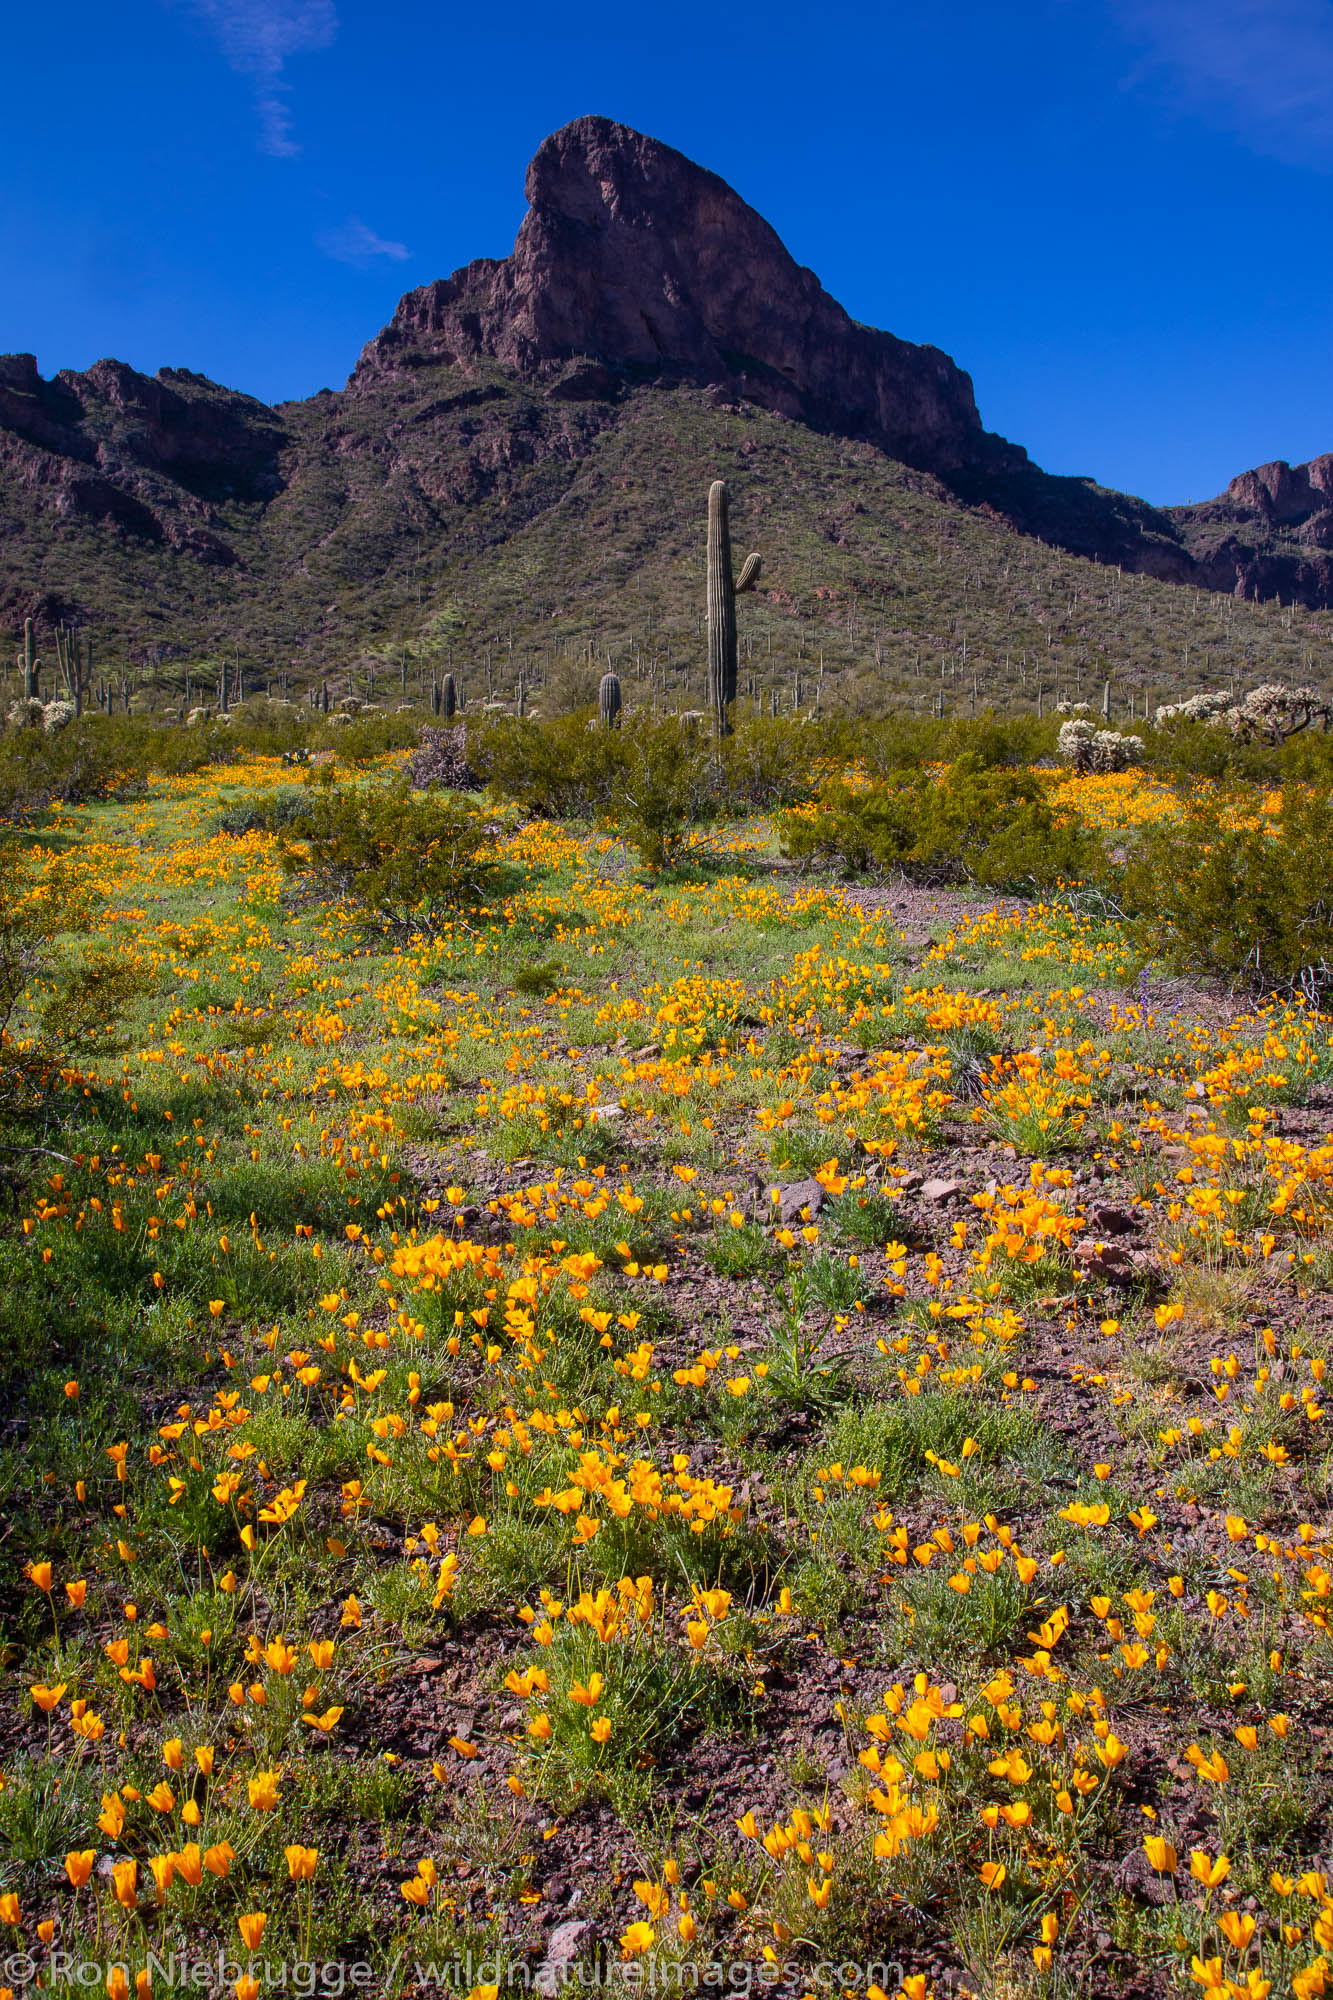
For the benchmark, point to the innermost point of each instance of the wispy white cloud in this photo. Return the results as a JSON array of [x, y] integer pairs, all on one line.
[[257, 37], [353, 243], [1262, 68]]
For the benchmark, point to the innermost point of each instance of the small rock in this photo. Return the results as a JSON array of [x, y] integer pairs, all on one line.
[[1106, 1221], [1112, 1261], [603, 1114], [1136, 1877], [938, 1191], [800, 1195]]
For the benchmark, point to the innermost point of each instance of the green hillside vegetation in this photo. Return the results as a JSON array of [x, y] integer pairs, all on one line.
[[527, 545]]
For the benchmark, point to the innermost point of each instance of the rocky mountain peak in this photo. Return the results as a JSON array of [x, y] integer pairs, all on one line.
[[633, 263], [1284, 493]]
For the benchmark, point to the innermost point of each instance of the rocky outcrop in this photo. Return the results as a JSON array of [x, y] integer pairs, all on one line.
[[152, 455], [634, 264], [634, 272], [1269, 535]]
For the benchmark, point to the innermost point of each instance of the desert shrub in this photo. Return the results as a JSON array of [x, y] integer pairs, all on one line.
[[667, 783], [566, 768], [976, 823], [402, 855], [648, 782], [88, 760], [1252, 904], [999, 741], [1308, 759], [538, 978], [897, 742], [33, 911], [770, 761], [277, 810], [23, 931], [372, 733], [1190, 749], [440, 758], [96, 755], [93, 995]]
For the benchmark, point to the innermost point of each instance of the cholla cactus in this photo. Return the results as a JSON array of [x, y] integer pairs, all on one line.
[[30, 713], [1199, 708], [1274, 713], [350, 705], [1074, 743], [1270, 713], [1113, 752], [1072, 708], [57, 715], [1086, 748]]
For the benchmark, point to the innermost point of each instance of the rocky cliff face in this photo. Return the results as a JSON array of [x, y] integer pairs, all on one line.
[[153, 455], [634, 264], [1269, 535], [637, 279]]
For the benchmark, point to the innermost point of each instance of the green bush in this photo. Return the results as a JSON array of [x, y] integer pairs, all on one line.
[[649, 780], [88, 999], [539, 978], [404, 856], [99, 755], [976, 823], [1249, 904], [1197, 750], [274, 811], [563, 769], [569, 768], [770, 761], [33, 912], [668, 782]]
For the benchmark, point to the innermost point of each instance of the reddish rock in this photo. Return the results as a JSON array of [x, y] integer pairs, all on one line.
[[635, 271], [1266, 536], [634, 263]]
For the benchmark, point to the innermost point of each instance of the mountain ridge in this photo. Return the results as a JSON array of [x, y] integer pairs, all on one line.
[[183, 513]]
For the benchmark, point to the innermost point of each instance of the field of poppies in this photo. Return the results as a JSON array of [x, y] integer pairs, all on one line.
[[708, 1427]]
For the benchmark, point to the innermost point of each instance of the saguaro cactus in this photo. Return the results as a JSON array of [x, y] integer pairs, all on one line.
[[75, 664], [448, 697], [723, 591], [30, 662], [608, 701]]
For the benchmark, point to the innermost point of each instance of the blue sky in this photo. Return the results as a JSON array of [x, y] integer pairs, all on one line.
[[1114, 213]]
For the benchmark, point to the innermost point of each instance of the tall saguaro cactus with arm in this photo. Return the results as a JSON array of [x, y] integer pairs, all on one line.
[[723, 590], [29, 661]]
